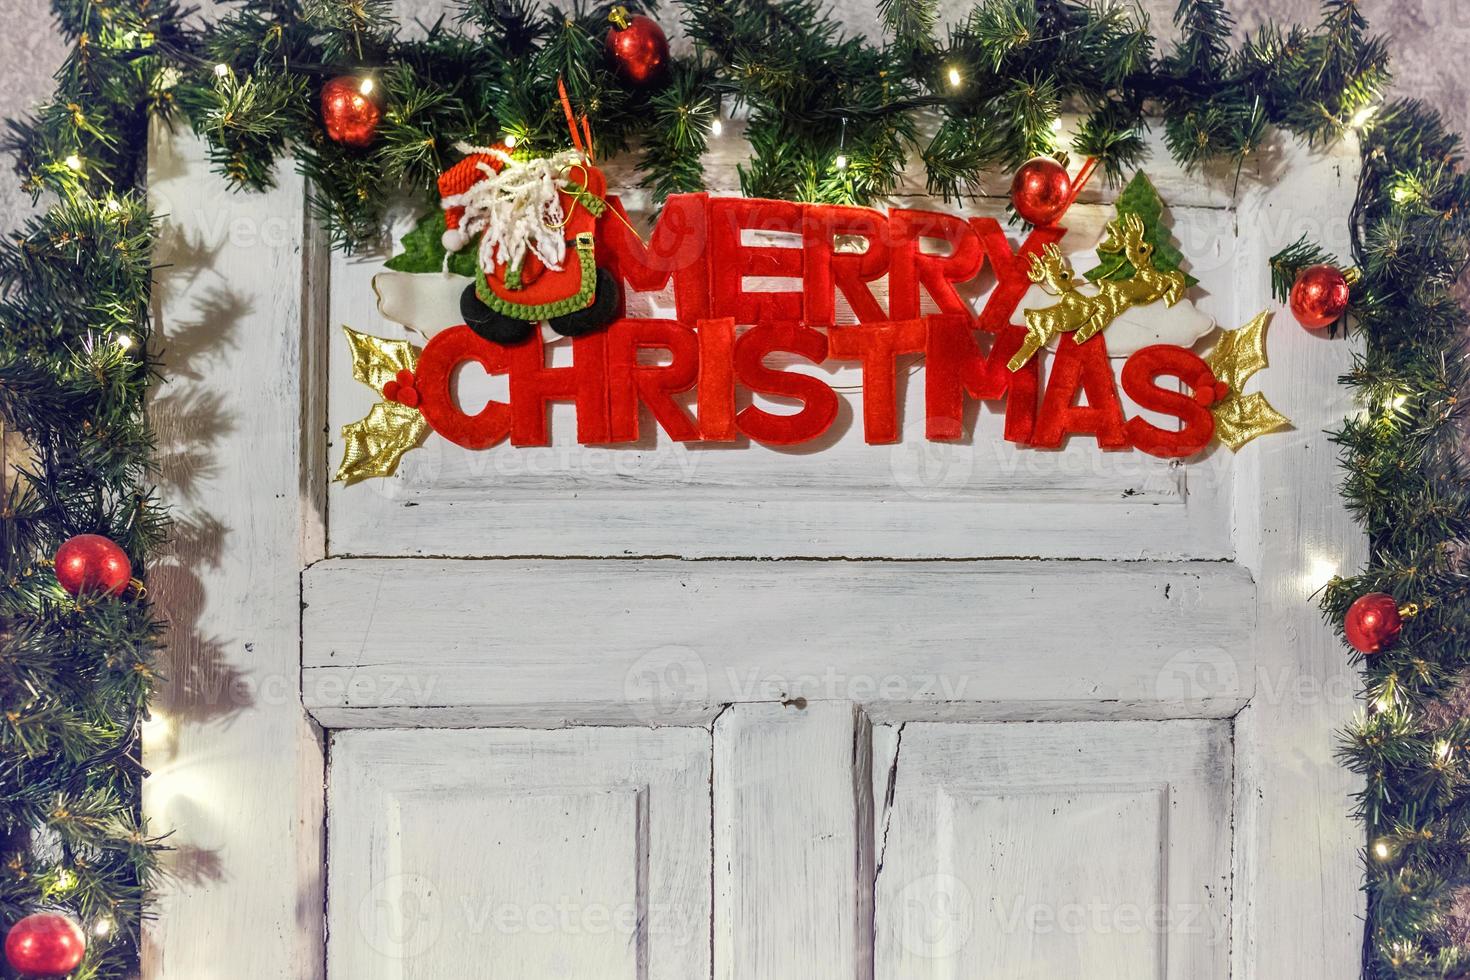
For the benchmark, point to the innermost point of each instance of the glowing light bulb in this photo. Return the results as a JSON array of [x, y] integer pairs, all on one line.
[[717, 127], [1056, 125], [65, 880], [103, 928], [1382, 851], [1362, 116], [73, 162], [1321, 569], [221, 70], [841, 161], [955, 78], [156, 728], [124, 341], [1441, 749], [113, 205], [366, 86], [510, 141]]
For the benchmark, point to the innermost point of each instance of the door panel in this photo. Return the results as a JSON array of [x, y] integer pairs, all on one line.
[[579, 853], [1042, 851], [793, 854]]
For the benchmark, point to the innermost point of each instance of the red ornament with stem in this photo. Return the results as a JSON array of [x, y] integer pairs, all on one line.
[[352, 110], [47, 944], [1042, 191], [1320, 296], [92, 563], [1373, 622], [637, 47]]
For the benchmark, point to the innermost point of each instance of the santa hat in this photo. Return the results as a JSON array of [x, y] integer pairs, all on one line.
[[480, 163], [512, 203]]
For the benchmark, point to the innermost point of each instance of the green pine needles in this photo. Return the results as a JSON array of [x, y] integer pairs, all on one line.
[[77, 674], [829, 117]]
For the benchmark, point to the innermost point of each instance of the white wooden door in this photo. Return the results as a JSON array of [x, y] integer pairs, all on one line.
[[868, 713]]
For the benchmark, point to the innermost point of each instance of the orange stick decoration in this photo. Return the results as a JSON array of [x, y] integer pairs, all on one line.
[[1083, 176], [585, 148]]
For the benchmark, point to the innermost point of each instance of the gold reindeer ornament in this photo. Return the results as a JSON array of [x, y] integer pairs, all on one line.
[[1085, 315]]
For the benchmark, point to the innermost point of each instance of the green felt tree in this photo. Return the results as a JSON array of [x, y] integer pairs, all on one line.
[[1141, 200], [423, 250]]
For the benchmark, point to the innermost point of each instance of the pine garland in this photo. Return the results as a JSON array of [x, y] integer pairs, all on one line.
[[829, 118], [76, 365]]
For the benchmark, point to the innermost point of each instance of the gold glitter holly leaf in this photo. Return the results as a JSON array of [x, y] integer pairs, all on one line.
[[1237, 356], [376, 361], [375, 445]]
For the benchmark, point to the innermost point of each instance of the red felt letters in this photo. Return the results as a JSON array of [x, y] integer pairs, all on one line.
[[751, 279]]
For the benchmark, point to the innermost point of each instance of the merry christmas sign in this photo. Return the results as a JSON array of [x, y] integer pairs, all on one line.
[[524, 242]]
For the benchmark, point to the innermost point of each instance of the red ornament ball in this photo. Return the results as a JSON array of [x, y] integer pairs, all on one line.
[[1041, 190], [1319, 297], [637, 47], [1373, 622], [92, 563], [46, 944], [351, 110]]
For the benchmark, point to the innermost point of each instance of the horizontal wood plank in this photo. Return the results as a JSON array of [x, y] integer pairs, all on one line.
[[653, 642]]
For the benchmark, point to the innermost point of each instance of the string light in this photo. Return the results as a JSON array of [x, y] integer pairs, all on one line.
[[1381, 850], [124, 341], [955, 78], [1441, 750], [1363, 115], [65, 880], [841, 161], [103, 928], [717, 127], [366, 87], [1056, 125], [73, 162], [221, 70], [510, 141], [156, 727]]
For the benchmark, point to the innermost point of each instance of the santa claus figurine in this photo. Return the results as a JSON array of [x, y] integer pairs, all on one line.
[[534, 221]]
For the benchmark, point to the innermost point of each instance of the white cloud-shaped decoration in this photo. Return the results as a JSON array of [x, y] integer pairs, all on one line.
[[1140, 326], [427, 302]]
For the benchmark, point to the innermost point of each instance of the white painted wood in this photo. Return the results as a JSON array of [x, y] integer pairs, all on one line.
[[236, 764], [838, 497], [887, 740], [1299, 909], [461, 855], [793, 842], [664, 642], [799, 804], [1057, 850]]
